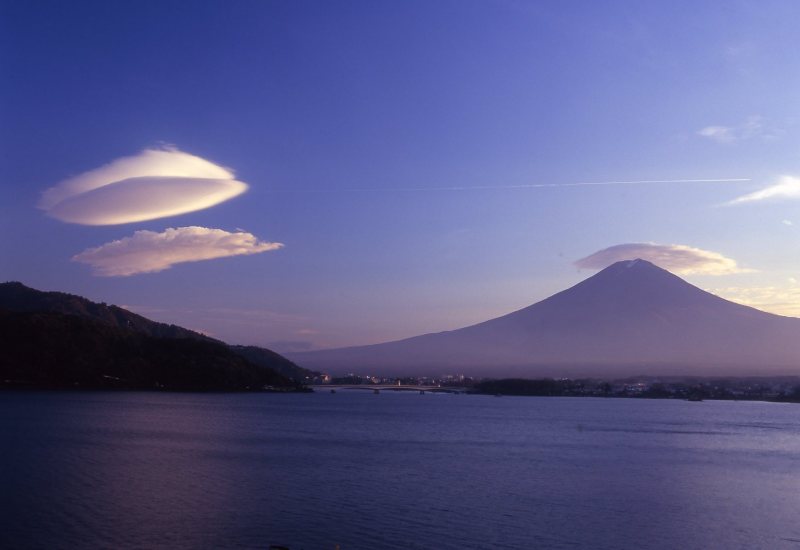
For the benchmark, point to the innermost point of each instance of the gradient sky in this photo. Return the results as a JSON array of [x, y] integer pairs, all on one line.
[[385, 169]]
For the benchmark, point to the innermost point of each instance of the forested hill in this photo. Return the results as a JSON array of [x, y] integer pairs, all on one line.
[[15, 296], [55, 339]]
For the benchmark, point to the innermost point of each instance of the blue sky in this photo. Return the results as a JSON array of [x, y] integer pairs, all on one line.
[[394, 149]]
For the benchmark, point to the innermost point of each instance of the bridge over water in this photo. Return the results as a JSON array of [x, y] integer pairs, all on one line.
[[377, 388]]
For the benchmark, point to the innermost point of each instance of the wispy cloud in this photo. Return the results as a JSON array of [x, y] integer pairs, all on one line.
[[240, 325], [754, 126], [722, 134], [288, 346], [678, 258], [156, 183], [783, 300], [787, 187], [150, 252]]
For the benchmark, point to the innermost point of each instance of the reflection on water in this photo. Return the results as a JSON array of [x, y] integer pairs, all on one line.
[[395, 471]]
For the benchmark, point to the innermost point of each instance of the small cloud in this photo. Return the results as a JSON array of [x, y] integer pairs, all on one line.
[[150, 252], [721, 134], [753, 127], [787, 222], [154, 184], [788, 187], [678, 258]]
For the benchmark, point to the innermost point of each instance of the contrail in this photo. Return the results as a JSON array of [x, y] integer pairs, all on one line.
[[520, 186], [572, 184]]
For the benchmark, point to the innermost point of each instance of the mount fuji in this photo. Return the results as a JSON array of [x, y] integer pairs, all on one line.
[[631, 318]]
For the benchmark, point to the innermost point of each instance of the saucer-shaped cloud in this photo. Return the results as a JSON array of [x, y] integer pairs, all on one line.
[[149, 252], [153, 184], [678, 258], [145, 198]]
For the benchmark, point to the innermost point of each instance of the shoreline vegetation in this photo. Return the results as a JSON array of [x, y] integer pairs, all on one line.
[[781, 389]]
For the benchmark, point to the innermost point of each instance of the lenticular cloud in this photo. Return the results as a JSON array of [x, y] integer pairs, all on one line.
[[154, 184], [678, 258], [150, 252]]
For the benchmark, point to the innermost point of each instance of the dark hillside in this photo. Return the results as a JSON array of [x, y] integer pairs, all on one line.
[[15, 296], [64, 351], [268, 358]]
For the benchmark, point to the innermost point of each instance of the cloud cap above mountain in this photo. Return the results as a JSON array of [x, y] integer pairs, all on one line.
[[680, 259]]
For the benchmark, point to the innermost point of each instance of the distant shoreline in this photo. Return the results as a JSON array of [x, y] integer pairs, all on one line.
[[767, 389], [781, 389]]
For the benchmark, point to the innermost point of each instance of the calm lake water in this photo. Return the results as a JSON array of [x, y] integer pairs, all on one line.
[[395, 470]]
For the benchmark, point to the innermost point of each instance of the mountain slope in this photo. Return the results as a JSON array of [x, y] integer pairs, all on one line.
[[15, 296], [61, 336], [54, 350], [633, 317], [268, 358]]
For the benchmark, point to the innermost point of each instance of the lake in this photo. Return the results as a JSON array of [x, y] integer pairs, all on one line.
[[395, 470]]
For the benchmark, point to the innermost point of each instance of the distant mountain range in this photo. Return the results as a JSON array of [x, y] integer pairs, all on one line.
[[630, 318], [60, 340]]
